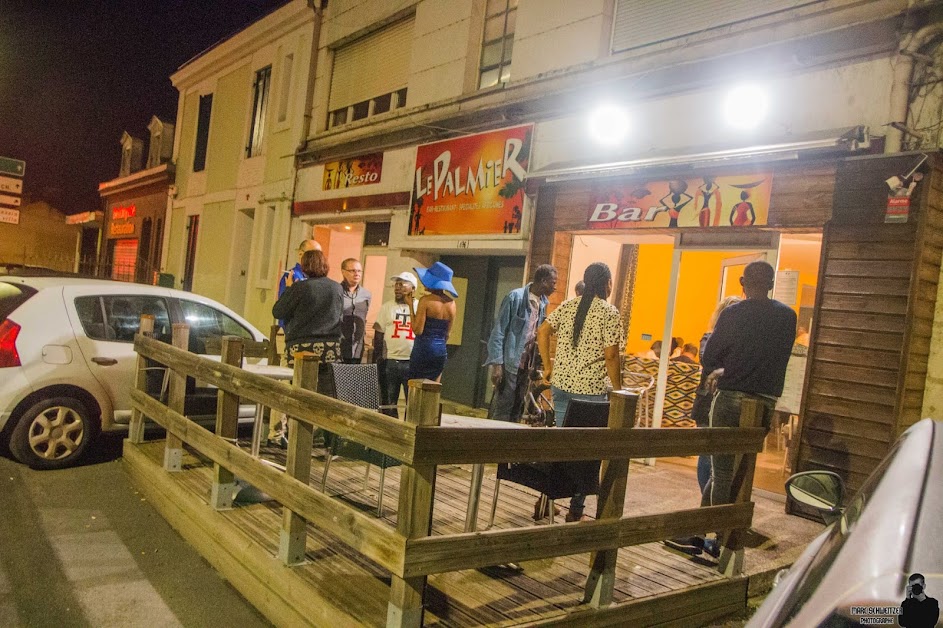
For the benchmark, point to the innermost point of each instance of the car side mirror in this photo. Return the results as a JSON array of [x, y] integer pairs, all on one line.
[[821, 490]]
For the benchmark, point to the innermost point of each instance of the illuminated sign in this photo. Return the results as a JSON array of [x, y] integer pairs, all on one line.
[[348, 173], [121, 228], [472, 184], [123, 213]]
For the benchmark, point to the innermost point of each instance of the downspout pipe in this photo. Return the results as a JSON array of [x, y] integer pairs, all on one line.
[[900, 84]]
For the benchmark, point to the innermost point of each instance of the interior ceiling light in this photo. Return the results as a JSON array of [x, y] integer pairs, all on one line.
[[609, 124], [746, 106]]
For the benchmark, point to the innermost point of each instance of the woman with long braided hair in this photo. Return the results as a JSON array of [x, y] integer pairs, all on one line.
[[589, 350]]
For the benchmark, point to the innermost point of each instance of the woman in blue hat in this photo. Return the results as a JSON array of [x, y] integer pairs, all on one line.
[[432, 322]]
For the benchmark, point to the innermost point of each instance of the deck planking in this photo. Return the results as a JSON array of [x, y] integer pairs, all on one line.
[[545, 590]]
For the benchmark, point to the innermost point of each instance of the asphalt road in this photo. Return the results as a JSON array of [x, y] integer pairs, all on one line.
[[80, 547]]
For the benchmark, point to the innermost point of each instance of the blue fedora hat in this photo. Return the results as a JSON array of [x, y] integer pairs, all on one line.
[[437, 277]]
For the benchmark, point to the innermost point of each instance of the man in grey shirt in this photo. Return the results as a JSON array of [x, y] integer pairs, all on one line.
[[356, 304]]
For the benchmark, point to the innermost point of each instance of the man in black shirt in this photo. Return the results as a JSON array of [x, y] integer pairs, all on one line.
[[918, 610], [746, 357]]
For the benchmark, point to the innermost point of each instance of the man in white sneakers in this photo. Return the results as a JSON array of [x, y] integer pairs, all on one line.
[[393, 338]]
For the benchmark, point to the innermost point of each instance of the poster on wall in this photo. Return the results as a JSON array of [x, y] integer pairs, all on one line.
[[353, 172], [705, 201], [471, 185]]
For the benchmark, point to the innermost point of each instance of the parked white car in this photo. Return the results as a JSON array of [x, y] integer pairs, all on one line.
[[67, 357]]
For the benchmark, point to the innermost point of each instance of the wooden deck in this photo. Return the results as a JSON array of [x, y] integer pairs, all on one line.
[[653, 585]]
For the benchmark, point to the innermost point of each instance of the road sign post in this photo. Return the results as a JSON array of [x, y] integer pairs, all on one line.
[[15, 167]]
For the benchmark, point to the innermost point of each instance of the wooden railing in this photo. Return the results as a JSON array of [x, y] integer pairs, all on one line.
[[409, 551]]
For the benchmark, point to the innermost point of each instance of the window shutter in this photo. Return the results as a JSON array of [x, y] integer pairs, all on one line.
[[124, 259], [643, 22], [372, 66]]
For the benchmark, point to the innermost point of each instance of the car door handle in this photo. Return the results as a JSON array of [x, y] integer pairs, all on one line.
[[105, 361]]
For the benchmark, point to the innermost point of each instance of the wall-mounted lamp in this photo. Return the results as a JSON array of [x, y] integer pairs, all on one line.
[[746, 106], [609, 124]]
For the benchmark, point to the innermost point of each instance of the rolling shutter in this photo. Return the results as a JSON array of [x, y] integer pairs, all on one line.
[[372, 66], [643, 22]]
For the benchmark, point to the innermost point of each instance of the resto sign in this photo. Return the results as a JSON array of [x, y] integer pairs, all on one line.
[[706, 201], [471, 185], [348, 173]]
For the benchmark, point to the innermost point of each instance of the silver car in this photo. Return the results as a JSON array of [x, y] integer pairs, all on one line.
[[882, 554], [67, 357]]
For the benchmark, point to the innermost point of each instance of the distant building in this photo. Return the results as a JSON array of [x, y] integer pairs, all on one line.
[[136, 206], [42, 237]]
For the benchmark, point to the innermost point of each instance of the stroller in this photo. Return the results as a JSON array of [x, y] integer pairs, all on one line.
[[532, 395]]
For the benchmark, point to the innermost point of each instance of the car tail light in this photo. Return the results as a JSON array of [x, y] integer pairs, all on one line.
[[8, 333]]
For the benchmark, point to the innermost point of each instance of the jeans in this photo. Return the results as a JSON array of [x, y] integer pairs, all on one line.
[[725, 412], [394, 380], [505, 403], [561, 401]]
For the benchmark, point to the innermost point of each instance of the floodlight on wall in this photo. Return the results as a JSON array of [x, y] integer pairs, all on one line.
[[746, 106], [609, 124]]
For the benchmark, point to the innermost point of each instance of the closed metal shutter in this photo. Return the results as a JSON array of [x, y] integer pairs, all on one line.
[[372, 66], [643, 22], [124, 259]]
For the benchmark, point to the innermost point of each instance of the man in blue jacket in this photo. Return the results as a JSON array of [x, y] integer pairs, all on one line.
[[522, 312]]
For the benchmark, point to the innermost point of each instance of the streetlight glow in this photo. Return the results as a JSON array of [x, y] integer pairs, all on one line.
[[746, 106], [609, 124]]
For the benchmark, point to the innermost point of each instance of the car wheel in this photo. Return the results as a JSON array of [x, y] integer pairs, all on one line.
[[53, 434]]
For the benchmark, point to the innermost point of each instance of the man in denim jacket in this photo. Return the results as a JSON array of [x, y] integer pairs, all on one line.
[[522, 311]]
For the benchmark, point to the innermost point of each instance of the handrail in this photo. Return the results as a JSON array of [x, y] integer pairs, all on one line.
[[374, 430]]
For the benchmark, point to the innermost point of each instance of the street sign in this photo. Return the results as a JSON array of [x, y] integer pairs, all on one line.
[[12, 166], [9, 201], [11, 185], [11, 216]]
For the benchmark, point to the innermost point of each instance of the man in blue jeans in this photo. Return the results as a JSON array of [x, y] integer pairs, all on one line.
[[522, 311], [746, 357]]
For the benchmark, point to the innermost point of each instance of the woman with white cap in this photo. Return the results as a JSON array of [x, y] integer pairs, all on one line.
[[432, 322]]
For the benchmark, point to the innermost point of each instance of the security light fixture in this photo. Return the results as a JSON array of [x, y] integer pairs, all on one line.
[[609, 124], [746, 106]]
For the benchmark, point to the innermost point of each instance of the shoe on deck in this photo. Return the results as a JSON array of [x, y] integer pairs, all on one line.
[[693, 545]]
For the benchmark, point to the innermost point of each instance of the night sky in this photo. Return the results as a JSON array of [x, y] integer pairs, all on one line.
[[75, 74]]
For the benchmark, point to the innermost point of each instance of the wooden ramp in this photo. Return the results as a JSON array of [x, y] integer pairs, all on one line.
[[653, 585]]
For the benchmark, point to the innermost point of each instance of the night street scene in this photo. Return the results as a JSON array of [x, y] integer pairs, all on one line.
[[471, 313]]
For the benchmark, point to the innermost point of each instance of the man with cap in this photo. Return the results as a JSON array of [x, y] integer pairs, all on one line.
[[522, 311], [393, 338]]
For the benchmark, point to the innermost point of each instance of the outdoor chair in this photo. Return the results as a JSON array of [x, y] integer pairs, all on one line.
[[556, 480], [358, 384]]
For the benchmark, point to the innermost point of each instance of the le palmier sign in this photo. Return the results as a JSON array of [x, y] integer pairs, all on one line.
[[471, 185]]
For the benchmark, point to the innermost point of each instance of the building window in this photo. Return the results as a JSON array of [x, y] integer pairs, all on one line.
[[497, 43], [202, 133], [266, 226], [285, 92], [355, 94], [260, 89]]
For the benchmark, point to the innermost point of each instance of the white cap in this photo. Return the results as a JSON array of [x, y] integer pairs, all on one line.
[[406, 276]]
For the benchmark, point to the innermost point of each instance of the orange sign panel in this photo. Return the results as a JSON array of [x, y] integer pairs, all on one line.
[[472, 185], [349, 173], [706, 201]]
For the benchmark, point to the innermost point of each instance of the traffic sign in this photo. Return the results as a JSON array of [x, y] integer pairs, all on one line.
[[16, 167], [9, 201], [10, 216], [11, 185]]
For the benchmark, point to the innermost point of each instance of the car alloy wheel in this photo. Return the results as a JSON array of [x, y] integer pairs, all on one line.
[[52, 434]]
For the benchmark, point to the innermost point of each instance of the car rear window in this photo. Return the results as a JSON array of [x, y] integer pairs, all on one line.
[[13, 296]]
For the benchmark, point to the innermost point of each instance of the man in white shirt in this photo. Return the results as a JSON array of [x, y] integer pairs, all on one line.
[[393, 338]]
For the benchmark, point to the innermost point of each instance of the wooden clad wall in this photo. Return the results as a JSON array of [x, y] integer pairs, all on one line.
[[871, 331]]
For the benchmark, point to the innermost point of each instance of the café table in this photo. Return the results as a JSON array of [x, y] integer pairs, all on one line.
[[474, 493], [279, 373]]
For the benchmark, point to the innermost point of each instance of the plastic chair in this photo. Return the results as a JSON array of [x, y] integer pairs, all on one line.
[[358, 384], [556, 480]]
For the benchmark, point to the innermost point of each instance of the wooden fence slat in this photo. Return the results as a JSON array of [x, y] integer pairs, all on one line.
[[365, 534], [414, 515], [471, 550], [227, 424], [613, 477], [372, 429], [136, 426], [461, 445], [176, 399], [293, 535], [731, 554]]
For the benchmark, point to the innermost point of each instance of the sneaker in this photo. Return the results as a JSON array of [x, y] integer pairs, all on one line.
[[692, 545], [712, 547], [576, 516]]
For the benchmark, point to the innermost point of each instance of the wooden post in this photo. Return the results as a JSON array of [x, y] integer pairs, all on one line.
[[227, 424], [136, 427], [610, 502], [414, 519], [293, 536], [274, 357], [741, 489], [173, 448]]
